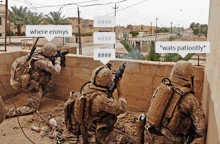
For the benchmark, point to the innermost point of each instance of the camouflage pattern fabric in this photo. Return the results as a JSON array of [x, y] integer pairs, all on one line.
[[189, 105], [41, 70], [190, 124], [32, 106], [101, 105]]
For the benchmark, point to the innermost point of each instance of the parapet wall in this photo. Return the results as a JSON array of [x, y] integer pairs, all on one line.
[[6, 60], [139, 81]]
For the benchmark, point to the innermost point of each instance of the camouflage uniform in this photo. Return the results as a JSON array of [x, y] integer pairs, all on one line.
[[106, 108], [38, 79], [190, 121]]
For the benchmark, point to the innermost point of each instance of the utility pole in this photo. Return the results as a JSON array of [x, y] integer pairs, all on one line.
[[9, 27], [178, 28], [115, 17], [6, 16], [151, 28], [80, 46], [171, 27], [156, 27]]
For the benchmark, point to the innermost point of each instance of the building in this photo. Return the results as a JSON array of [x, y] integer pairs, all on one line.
[[87, 23], [2, 20], [143, 28]]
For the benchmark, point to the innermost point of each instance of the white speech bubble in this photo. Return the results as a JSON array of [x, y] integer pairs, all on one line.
[[104, 37], [104, 55], [49, 31], [183, 47], [104, 21]]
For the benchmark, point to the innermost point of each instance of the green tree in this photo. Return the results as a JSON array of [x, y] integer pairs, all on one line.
[[56, 19], [128, 26], [162, 30], [34, 18], [18, 16], [134, 33], [126, 44], [199, 29], [153, 56], [174, 57]]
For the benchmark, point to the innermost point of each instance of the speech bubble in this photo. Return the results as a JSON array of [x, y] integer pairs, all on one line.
[[183, 47], [104, 37], [49, 31], [104, 55], [104, 21]]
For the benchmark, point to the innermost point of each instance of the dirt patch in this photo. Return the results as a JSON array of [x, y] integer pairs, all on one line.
[[10, 130]]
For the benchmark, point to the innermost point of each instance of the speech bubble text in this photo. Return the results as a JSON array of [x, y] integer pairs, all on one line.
[[49, 31], [104, 55], [104, 21], [104, 38], [183, 47]]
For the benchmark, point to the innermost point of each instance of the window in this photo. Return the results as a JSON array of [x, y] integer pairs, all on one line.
[[0, 21]]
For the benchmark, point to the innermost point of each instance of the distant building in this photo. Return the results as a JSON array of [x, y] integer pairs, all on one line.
[[188, 32], [176, 30], [143, 28], [87, 23]]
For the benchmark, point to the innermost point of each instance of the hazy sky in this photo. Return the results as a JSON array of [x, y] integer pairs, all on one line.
[[135, 12]]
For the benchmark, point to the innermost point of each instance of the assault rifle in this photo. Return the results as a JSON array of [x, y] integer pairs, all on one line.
[[33, 49], [61, 55], [118, 74]]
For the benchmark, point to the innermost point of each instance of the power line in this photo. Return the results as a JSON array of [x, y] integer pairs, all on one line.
[[128, 6], [27, 2], [32, 6], [64, 4], [74, 4], [77, 4], [103, 4]]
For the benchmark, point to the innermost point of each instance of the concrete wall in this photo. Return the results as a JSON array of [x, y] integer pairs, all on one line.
[[139, 81], [211, 96], [6, 60], [85, 39]]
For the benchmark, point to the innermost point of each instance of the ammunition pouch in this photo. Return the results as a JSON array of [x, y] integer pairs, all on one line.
[[33, 85], [140, 131]]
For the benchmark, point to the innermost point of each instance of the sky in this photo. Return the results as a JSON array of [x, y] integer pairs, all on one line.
[[136, 12]]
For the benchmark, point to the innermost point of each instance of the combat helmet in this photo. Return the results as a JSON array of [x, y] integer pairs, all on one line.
[[49, 49], [102, 77], [182, 73]]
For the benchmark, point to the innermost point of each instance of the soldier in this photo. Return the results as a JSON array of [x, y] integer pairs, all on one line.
[[35, 80], [182, 118], [100, 111]]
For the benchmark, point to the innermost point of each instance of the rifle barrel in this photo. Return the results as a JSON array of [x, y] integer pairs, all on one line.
[[33, 49]]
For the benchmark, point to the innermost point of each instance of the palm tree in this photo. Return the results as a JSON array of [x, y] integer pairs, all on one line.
[[34, 18], [56, 19], [18, 17]]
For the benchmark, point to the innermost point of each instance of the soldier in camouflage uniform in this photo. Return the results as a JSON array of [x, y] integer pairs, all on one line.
[[100, 111], [190, 124], [37, 81]]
